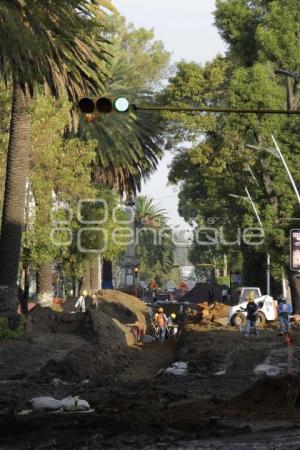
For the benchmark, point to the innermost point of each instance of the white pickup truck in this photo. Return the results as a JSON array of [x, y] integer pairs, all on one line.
[[267, 307]]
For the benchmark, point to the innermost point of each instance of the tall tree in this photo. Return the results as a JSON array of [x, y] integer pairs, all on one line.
[[130, 145], [155, 246], [217, 165], [57, 44]]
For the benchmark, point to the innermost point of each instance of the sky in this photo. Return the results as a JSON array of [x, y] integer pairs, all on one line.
[[186, 28]]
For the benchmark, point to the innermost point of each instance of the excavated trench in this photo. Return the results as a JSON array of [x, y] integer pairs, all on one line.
[[225, 400]]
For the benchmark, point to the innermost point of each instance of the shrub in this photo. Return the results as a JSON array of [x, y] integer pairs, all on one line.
[[6, 333]]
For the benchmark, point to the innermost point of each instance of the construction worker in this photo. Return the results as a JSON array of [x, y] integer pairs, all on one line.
[[81, 301], [252, 310], [153, 288], [137, 332], [155, 326], [284, 312], [172, 327], [162, 323]]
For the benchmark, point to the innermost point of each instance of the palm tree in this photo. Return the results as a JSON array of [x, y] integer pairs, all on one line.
[[151, 218], [59, 45], [130, 146]]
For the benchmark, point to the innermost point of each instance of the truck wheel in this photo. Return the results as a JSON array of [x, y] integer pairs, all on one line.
[[238, 319], [261, 320]]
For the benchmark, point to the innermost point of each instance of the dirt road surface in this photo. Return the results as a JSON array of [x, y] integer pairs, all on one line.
[[235, 396]]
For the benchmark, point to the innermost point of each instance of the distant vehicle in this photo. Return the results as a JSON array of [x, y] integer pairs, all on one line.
[[267, 308]]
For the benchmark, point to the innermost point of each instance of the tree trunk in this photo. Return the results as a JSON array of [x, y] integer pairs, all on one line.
[[107, 275], [225, 266], [294, 282], [85, 282], [74, 285], [23, 299], [94, 276], [14, 200], [44, 284]]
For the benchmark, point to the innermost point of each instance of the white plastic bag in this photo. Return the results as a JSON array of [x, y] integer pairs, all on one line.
[[42, 404], [82, 405], [74, 404]]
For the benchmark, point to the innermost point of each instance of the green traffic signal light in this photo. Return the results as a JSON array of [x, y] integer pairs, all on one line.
[[121, 104]]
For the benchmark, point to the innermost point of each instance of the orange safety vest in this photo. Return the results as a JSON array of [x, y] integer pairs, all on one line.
[[161, 320], [153, 285]]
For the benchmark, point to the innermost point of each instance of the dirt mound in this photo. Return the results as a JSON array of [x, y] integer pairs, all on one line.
[[213, 311], [199, 293], [269, 394], [75, 346], [131, 303]]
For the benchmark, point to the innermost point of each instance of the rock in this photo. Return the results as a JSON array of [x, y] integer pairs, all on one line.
[[56, 381], [47, 445]]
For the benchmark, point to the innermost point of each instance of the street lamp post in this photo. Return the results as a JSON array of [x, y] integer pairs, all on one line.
[[268, 254], [278, 154], [268, 272], [287, 169]]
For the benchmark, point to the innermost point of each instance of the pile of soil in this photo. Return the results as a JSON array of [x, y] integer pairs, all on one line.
[[132, 304], [63, 348], [269, 394], [213, 312], [199, 293]]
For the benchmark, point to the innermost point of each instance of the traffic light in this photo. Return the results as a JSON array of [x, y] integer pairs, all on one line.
[[92, 108], [136, 271]]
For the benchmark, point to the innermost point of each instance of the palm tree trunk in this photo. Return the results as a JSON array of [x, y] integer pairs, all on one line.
[[85, 282], [14, 199], [294, 282], [44, 284], [94, 276]]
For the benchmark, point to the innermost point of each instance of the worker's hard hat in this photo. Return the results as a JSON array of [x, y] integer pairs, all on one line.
[[160, 310], [155, 315], [84, 293], [251, 296], [173, 316]]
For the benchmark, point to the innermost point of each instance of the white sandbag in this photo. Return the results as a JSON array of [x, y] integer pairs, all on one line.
[[74, 404], [178, 369], [82, 405], [68, 403], [46, 404]]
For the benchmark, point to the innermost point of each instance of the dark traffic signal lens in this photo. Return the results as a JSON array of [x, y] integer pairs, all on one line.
[[104, 105], [86, 105]]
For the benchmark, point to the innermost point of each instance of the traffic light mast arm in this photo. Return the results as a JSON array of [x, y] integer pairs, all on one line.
[[214, 110], [106, 105]]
